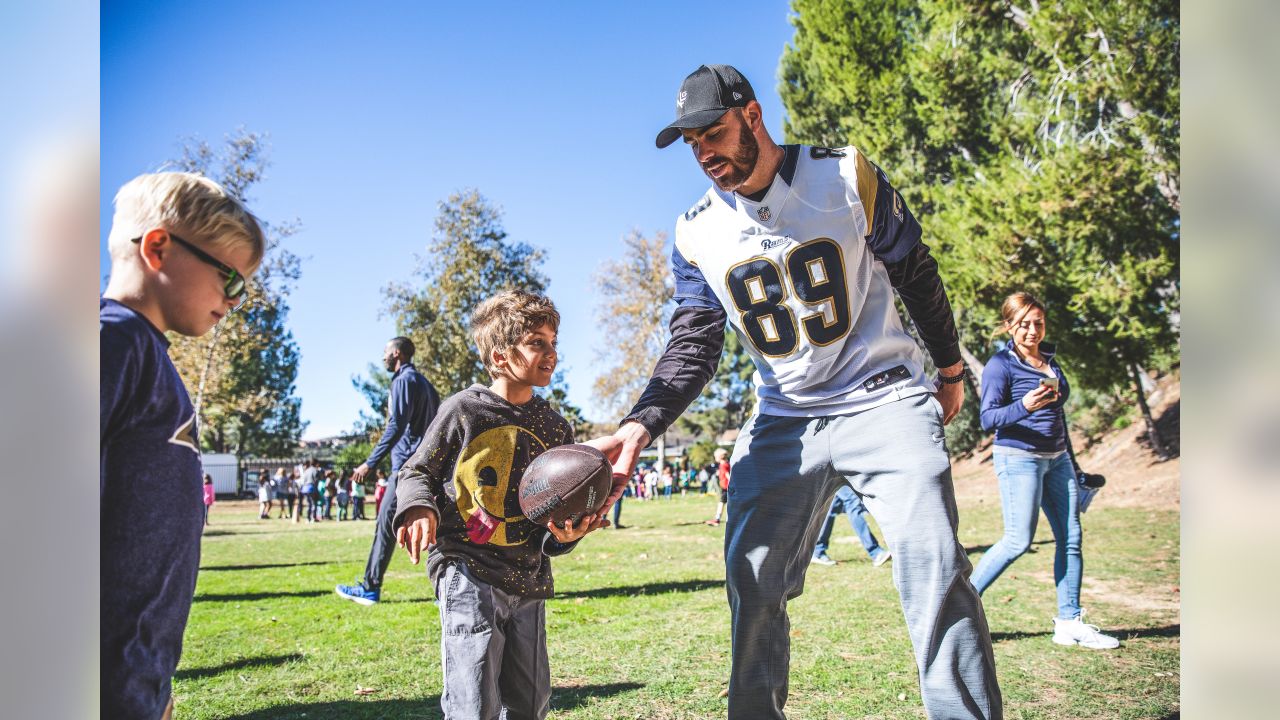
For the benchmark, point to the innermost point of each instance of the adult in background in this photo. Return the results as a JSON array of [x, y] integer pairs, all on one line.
[[847, 501], [801, 249], [308, 489], [1023, 394], [413, 403], [285, 492]]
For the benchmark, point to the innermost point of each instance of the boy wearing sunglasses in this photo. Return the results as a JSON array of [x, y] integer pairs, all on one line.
[[181, 250]]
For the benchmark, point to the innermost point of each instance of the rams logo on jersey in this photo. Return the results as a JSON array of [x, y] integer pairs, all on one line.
[[485, 480]]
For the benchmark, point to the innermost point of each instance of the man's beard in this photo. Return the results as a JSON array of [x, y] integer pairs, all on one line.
[[742, 164]]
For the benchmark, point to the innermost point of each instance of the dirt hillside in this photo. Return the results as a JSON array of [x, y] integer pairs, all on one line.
[[1135, 476]]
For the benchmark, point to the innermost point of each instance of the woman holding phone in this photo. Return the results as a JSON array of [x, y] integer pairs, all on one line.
[[1023, 392]]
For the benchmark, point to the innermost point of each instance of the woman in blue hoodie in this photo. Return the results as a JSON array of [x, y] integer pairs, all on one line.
[[1023, 392]]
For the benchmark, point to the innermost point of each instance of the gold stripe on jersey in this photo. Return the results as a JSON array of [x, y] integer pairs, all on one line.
[[867, 185]]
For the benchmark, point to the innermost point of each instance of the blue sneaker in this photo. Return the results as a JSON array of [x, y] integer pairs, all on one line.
[[358, 593]]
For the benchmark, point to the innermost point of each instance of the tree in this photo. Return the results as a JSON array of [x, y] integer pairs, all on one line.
[[244, 371], [634, 311], [1038, 147], [468, 260]]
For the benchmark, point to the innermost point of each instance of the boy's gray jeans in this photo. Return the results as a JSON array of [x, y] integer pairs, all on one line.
[[494, 651], [785, 471]]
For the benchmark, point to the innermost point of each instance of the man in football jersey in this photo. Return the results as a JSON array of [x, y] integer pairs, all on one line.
[[800, 249]]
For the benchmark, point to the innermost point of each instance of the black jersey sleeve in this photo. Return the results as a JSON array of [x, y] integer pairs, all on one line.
[[691, 356], [918, 283]]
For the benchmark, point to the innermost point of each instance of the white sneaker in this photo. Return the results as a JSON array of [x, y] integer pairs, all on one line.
[[822, 559], [882, 558], [1076, 632]]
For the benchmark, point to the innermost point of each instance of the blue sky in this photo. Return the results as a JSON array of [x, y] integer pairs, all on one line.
[[374, 116]]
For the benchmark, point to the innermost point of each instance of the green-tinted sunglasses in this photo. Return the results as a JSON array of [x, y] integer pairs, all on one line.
[[234, 287]]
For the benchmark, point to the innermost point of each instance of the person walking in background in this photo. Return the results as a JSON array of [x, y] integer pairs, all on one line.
[[411, 405], [847, 501], [722, 481], [208, 496], [1023, 394]]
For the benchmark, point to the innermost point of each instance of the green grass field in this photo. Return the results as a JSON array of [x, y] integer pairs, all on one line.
[[639, 626]]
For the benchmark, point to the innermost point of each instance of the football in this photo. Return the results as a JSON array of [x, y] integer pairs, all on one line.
[[565, 483]]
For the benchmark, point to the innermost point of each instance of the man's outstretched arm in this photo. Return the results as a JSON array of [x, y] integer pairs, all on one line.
[[685, 368]]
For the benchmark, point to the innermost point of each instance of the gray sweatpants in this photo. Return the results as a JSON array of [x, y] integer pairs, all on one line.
[[494, 651], [785, 471]]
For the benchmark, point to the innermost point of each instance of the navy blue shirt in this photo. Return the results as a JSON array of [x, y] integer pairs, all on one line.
[[152, 513], [1005, 380], [414, 402]]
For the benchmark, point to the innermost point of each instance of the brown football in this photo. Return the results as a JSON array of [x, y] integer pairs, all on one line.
[[565, 483]]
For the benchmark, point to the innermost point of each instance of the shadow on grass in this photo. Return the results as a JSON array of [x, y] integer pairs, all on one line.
[[650, 589], [249, 597], [562, 699], [983, 548], [568, 698], [1129, 634], [264, 566], [253, 662]]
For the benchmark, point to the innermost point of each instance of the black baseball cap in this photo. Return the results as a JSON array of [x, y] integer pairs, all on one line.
[[704, 96]]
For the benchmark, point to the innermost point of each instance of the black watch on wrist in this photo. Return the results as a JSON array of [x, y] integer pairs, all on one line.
[[952, 380]]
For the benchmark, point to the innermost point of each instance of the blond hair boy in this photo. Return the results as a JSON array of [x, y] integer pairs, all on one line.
[[182, 249]]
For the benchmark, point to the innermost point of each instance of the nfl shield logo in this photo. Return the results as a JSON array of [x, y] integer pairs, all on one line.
[[763, 213]]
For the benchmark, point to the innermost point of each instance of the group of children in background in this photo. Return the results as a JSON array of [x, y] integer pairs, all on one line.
[[312, 494]]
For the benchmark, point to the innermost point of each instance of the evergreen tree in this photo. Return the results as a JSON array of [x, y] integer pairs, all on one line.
[[1038, 147]]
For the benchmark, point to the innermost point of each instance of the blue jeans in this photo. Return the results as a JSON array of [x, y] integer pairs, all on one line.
[[1026, 485], [848, 502]]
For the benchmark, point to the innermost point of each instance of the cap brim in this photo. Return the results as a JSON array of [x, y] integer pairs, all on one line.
[[699, 119]]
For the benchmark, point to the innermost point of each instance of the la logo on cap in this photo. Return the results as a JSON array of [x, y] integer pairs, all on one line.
[[681, 98]]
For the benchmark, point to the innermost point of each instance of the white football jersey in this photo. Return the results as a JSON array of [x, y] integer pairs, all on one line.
[[801, 277]]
